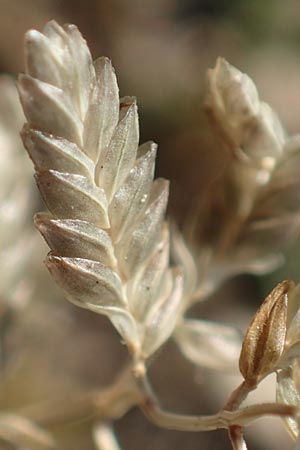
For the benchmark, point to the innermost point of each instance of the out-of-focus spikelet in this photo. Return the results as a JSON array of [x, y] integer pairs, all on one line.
[[251, 213], [16, 238]]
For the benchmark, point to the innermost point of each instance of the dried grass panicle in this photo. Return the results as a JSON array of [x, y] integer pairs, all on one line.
[[109, 242], [109, 239]]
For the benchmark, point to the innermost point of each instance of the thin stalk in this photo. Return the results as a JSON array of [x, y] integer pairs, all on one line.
[[223, 419], [237, 439], [238, 396], [235, 432]]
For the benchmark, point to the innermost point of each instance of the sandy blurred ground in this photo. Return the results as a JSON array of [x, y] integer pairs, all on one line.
[[161, 50]]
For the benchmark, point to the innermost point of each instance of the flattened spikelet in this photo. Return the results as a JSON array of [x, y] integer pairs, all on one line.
[[107, 215]]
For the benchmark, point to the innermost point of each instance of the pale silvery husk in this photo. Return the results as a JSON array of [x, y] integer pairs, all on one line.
[[106, 230]]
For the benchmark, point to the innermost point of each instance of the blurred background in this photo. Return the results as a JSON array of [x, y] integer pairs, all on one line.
[[161, 50]]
